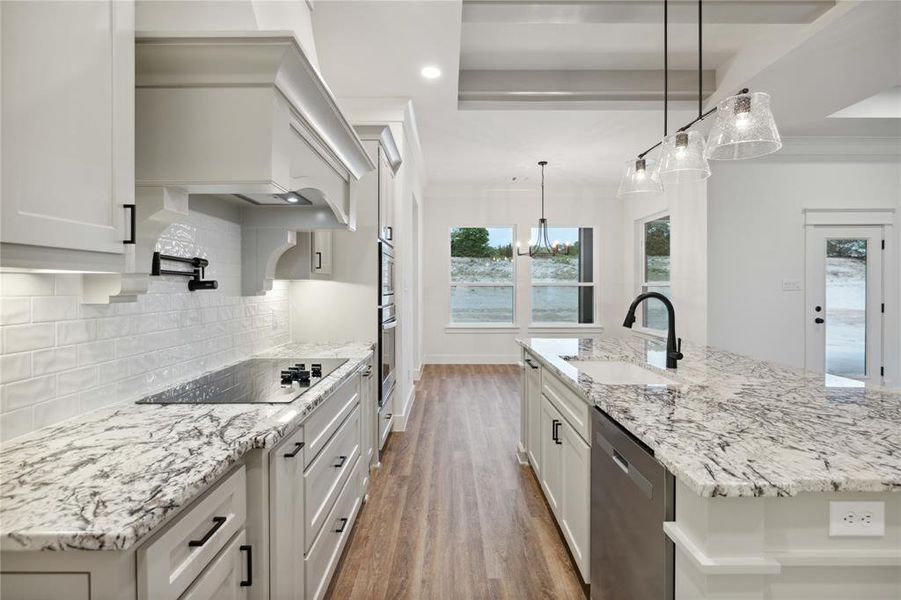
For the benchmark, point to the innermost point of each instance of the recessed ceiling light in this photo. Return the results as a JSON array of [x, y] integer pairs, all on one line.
[[431, 72]]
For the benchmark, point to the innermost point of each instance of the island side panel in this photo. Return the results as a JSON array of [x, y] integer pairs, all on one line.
[[779, 549]]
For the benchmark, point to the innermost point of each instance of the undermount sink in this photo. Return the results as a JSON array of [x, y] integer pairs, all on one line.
[[615, 372]]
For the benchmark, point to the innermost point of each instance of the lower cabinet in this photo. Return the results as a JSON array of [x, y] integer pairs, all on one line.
[[386, 419], [286, 518], [561, 460]]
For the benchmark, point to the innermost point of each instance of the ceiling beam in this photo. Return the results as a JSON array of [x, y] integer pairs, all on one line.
[[717, 12], [531, 86]]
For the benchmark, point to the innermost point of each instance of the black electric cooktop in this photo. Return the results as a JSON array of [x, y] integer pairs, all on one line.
[[254, 381]]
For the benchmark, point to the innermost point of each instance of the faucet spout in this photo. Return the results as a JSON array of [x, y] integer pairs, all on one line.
[[673, 344]]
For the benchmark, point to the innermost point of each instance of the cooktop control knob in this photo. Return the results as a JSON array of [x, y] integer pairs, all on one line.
[[287, 378], [303, 377], [317, 369], [300, 366]]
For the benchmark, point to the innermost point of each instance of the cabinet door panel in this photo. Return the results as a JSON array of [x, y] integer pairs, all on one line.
[[551, 468], [321, 254], [222, 578], [533, 417], [286, 527], [68, 123], [576, 462]]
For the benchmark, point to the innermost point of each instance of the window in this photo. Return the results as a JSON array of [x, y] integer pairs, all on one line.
[[655, 267], [563, 284], [482, 281]]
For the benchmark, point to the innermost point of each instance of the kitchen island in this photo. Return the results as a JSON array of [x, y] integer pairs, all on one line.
[[758, 452]]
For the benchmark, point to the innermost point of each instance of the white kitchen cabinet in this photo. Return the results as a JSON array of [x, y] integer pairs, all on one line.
[[68, 130], [560, 456], [575, 494], [532, 408], [321, 252], [551, 477], [286, 463], [386, 198], [227, 577], [369, 430]]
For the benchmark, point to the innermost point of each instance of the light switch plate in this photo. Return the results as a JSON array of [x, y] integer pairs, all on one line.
[[791, 285], [856, 519]]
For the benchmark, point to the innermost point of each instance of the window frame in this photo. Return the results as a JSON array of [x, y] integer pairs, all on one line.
[[475, 325], [552, 325], [641, 282]]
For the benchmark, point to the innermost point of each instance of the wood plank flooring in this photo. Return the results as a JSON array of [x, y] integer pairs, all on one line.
[[451, 513]]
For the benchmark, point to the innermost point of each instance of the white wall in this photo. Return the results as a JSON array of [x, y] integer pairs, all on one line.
[[686, 204], [450, 206], [61, 358], [756, 238]]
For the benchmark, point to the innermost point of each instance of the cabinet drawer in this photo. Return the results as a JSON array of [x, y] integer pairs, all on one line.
[[328, 416], [174, 557], [327, 474], [573, 408], [323, 557], [226, 578]]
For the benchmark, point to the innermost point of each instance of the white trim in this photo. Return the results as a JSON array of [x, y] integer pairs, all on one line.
[[718, 565], [399, 423], [521, 455], [852, 216], [472, 359], [480, 328]]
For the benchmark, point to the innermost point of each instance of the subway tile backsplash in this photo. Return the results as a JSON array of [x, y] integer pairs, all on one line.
[[60, 358]]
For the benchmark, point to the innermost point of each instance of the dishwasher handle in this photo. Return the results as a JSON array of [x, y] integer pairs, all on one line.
[[640, 481]]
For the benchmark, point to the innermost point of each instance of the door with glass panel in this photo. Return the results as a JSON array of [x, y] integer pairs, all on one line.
[[844, 301], [655, 274]]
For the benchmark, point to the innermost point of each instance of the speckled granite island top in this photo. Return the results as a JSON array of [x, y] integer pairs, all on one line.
[[103, 480], [735, 426]]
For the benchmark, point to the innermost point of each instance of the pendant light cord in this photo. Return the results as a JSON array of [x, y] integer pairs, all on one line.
[[665, 68], [700, 58]]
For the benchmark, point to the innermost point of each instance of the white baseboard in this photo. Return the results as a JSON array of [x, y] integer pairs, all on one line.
[[417, 373], [521, 455], [471, 359], [400, 420]]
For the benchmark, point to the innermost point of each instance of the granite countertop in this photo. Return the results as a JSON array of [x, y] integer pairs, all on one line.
[[105, 479], [735, 426]]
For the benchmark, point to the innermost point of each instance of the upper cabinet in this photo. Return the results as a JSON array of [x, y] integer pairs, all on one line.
[[389, 161], [68, 133]]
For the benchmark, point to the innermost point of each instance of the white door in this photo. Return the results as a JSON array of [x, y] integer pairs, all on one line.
[[844, 297]]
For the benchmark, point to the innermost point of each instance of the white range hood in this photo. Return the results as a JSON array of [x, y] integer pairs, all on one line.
[[246, 115]]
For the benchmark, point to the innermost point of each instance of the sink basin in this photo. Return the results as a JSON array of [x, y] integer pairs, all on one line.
[[614, 372]]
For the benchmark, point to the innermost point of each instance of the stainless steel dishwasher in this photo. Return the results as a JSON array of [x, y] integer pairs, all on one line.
[[631, 496]]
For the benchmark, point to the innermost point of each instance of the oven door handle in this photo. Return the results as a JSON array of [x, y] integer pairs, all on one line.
[[389, 324]]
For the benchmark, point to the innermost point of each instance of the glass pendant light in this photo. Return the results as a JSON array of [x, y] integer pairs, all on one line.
[[744, 128], [641, 178], [682, 158]]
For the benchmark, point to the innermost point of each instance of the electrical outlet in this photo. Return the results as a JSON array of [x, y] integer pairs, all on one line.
[[791, 285], [856, 519]]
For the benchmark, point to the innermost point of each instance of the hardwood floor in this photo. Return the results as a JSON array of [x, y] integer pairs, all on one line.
[[451, 513]]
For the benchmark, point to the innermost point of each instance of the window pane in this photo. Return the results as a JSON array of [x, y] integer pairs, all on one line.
[[563, 304], [481, 255], [654, 312], [486, 304], [846, 307], [656, 250], [573, 260]]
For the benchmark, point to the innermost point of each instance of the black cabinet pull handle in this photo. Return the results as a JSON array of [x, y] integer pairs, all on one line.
[[249, 549], [388, 416], [341, 461], [132, 224], [343, 525], [319, 260], [217, 523], [819, 320], [298, 446], [531, 364], [555, 434]]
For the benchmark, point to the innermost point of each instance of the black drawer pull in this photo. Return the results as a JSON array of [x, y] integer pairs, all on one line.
[[249, 549], [298, 446], [531, 364], [318, 261], [555, 434], [217, 523], [343, 525], [388, 416], [341, 461]]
